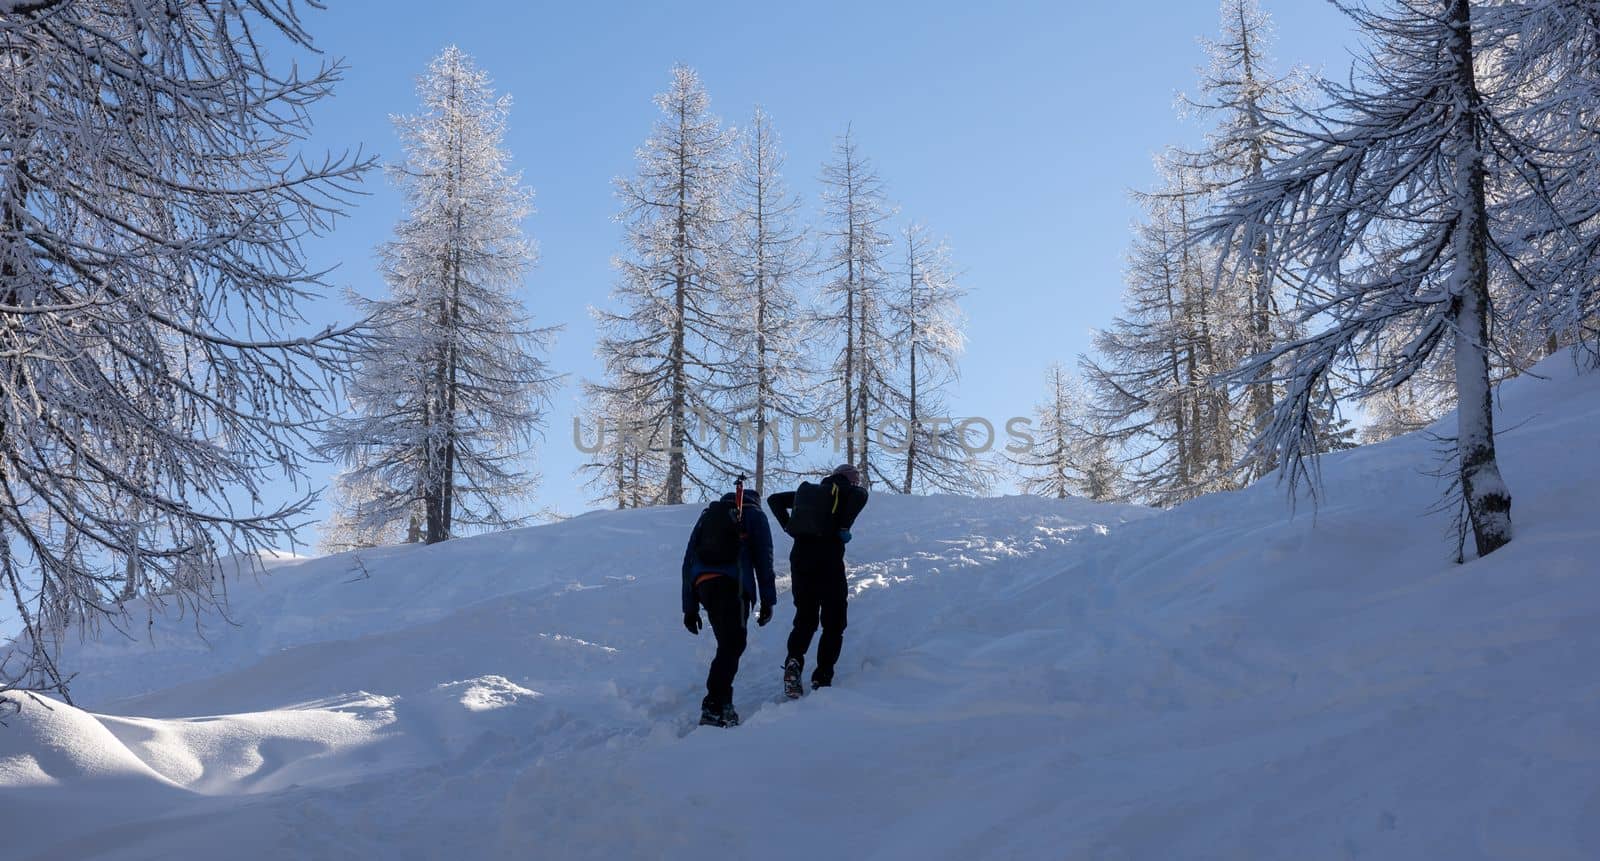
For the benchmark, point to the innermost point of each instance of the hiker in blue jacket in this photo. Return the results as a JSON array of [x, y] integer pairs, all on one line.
[[727, 567]]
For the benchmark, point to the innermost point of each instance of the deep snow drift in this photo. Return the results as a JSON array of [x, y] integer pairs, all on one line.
[[1021, 678]]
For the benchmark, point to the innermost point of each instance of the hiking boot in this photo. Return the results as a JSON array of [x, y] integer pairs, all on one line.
[[791, 677], [819, 681], [717, 714]]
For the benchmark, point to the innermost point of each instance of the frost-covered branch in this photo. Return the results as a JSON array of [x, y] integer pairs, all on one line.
[[152, 205]]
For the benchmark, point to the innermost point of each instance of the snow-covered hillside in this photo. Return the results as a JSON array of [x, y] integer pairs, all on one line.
[[1022, 679]]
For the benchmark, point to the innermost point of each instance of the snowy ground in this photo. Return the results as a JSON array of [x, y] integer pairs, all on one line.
[[1022, 678]]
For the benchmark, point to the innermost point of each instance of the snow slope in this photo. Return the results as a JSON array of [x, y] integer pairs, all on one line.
[[1022, 678]]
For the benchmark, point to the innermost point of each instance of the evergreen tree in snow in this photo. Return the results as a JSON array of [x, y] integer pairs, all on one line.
[[1413, 405], [1383, 210], [1546, 62], [1247, 103], [626, 451], [854, 211], [1152, 377], [382, 439], [1335, 430], [151, 381], [449, 395], [664, 349], [360, 519], [1422, 399], [1067, 457], [928, 336], [768, 363]]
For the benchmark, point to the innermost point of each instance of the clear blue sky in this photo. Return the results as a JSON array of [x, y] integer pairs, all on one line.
[[1015, 130]]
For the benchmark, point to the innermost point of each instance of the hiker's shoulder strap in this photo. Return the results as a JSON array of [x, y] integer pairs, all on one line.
[[851, 501]]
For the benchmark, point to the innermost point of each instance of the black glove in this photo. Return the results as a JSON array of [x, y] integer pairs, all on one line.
[[765, 616], [691, 620]]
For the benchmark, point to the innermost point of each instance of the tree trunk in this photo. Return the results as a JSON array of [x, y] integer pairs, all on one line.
[[1487, 497], [1261, 396], [1180, 432], [1210, 440], [435, 515], [434, 462], [441, 460], [911, 413], [432, 499], [850, 315], [452, 385], [678, 442], [861, 391], [1060, 456], [761, 320], [413, 528]]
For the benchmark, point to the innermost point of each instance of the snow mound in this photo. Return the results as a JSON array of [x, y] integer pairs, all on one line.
[[49, 743], [1022, 678], [52, 743]]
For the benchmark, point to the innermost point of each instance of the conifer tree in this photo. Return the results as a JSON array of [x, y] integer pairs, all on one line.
[[665, 348], [1067, 457], [1151, 379], [768, 365], [854, 211], [1383, 208], [153, 380], [1412, 405], [937, 453], [626, 451], [1246, 102], [449, 395], [1546, 67], [360, 519]]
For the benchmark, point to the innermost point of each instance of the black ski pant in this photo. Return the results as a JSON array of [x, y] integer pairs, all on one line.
[[821, 592], [726, 613]]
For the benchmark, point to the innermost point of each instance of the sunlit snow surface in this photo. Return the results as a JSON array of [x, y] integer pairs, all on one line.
[[1022, 678]]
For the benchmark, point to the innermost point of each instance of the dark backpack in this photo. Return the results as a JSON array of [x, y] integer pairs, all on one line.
[[814, 505], [719, 541]]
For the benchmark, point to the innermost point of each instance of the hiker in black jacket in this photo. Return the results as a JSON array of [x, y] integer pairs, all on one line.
[[819, 518], [726, 567]]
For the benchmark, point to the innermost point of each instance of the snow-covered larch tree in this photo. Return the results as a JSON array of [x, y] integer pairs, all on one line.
[[1408, 407], [152, 383], [626, 449], [1546, 61], [1151, 378], [1246, 102], [1382, 209], [928, 336], [666, 342], [854, 212], [449, 396], [361, 519], [1067, 458], [768, 369]]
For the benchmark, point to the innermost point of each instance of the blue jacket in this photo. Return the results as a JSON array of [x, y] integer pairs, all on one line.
[[755, 558]]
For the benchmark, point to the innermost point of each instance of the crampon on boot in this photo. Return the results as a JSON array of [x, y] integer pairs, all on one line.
[[717, 714], [791, 677]]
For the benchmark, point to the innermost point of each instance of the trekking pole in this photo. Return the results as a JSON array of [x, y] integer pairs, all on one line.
[[738, 505]]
